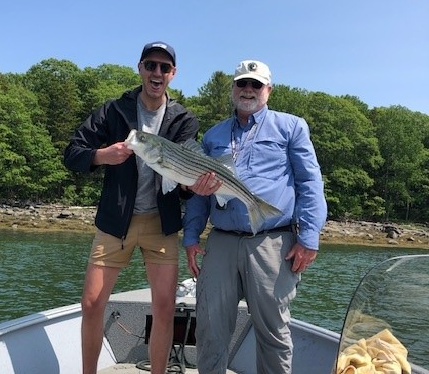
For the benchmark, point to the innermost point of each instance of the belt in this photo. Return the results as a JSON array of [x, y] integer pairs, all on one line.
[[288, 228]]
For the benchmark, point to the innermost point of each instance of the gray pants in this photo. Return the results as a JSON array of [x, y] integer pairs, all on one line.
[[254, 268]]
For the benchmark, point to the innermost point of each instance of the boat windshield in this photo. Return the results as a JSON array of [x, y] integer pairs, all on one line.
[[386, 329]]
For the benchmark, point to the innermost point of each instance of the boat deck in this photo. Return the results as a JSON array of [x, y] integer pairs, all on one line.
[[131, 369]]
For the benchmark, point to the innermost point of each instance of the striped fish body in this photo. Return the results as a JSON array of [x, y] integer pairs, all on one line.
[[185, 163]]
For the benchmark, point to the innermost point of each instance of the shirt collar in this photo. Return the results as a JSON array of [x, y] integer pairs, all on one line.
[[256, 117]]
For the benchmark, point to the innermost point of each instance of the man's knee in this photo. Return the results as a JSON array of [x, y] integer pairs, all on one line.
[[92, 307]]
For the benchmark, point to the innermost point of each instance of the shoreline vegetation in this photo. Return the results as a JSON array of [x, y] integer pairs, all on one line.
[[57, 217]]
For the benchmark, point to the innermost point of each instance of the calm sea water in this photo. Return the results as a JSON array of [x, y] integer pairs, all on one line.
[[40, 271]]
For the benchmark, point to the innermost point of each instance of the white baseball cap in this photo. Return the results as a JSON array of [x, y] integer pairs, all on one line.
[[254, 70]]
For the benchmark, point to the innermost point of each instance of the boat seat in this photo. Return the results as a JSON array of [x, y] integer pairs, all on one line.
[[184, 335]]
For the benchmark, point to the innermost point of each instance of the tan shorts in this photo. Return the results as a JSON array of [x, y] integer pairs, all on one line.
[[144, 232]]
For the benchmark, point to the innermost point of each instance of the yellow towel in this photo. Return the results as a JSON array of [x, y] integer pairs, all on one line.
[[379, 354]]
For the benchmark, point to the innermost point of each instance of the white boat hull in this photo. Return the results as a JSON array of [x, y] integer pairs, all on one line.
[[49, 342]]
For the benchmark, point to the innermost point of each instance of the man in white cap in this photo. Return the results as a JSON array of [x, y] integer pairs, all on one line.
[[274, 157]]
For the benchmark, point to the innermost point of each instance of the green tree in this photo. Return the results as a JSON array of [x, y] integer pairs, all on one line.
[[214, 101], [348, 153], [363, 107], [375, 163], [105, 82], [290, 100], [177, 95], [55, 82], [401, 138], [420, 184], [29, 165], [418, 210]]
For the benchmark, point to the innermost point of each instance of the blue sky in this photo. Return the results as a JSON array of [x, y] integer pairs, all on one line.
[[373, 49]]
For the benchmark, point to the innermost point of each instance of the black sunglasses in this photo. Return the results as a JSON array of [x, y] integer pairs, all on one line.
[[150, 65], [243, 83]]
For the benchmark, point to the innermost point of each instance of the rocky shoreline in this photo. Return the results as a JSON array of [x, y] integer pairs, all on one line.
[[56, 217]]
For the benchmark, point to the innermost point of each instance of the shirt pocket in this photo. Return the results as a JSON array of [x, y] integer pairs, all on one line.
[[269, 158]]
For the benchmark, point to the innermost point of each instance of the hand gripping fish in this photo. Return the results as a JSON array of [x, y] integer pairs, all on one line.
[[185, 163]]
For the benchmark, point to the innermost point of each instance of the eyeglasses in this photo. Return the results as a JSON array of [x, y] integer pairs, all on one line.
[[243, 83], [150, 65]]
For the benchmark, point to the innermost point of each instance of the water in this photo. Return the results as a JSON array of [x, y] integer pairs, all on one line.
[[40, 271]]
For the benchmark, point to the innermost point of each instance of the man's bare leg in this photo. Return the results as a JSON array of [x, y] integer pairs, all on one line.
[[163, 283], [99, 283]]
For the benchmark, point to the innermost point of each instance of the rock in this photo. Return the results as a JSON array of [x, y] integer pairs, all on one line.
[[391, 228], [64, 214], [51, 217], [392, 234]]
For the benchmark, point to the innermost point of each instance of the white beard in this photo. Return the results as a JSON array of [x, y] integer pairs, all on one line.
[[248, 106]]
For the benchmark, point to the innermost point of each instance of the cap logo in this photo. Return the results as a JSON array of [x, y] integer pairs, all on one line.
[[252, 66], [163, 46]]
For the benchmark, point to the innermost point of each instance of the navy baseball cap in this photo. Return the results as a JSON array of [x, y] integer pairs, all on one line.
[[161, 46]]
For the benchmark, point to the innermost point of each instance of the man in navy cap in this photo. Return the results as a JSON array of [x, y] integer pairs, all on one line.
[[133, 211]]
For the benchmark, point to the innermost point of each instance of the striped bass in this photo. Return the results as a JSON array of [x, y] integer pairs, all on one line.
[[185, 163]]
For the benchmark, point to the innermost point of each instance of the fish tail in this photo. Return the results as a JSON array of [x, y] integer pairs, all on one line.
[[259, 212]]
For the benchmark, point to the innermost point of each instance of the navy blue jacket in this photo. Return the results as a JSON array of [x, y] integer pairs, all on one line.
[[110, 124]]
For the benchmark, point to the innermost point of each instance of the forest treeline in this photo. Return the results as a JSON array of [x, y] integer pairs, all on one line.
[[375, 162]]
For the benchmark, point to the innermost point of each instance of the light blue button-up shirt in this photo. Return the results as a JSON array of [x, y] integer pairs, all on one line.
[[275, 159]]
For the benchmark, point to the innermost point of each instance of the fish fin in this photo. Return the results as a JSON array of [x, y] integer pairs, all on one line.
[[168, 185], [193, 146], [225, 160], [228, 162], [223, 199], [260, 212]]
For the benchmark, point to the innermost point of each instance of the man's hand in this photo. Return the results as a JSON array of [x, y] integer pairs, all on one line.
[[206, 184], [301, 257], [114, 154], [192, 251]]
